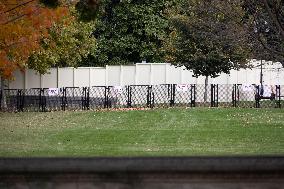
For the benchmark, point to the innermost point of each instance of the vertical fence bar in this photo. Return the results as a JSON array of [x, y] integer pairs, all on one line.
[[211, 94], [149, 99], [152, 96], [238, 93], [129, 96], [106, 103], [257, 97], [20, 100], [214, 95], [42, 100], [63, 99], [194, 95], [191, 96], [278, 95], [84, 98], [88, 98], [171, 89], [173, 94], [217, 96], [234, 96]]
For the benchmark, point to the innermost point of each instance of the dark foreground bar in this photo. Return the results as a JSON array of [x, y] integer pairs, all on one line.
[[143, 173]]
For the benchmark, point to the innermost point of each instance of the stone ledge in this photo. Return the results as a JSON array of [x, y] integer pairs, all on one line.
[[143, 173]]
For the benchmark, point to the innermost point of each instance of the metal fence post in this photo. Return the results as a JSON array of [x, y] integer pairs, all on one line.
[[257, 97], [42, 100], [149, 96], [172, 90], [63, 99], [278, 94], [212, 95], [129, 96], [234, 95], [107, 102], [20, 100], [84, 98], [192, 95], [40, 103], [217, 96], [88, 98]]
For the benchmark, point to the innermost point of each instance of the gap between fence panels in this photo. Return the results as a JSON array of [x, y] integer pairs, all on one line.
[[144, 97]]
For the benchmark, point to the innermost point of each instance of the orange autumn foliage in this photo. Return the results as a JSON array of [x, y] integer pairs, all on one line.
[[22, 24]]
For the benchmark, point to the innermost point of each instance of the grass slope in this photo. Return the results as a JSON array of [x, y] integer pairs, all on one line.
[[160, 132]]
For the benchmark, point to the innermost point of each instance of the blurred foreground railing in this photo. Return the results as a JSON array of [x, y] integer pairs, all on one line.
[[143, 173], [144, 96]]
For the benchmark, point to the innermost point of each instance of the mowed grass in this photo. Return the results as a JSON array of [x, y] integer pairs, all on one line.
[[158, 132]]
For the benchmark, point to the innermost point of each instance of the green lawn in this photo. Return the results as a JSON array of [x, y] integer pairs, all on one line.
[[160, 132]]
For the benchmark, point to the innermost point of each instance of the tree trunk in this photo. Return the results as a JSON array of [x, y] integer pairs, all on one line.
[[206, 89], [3, 96]]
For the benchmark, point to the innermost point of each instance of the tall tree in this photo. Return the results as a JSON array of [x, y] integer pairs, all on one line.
[[22, 23], [129, 31], [209, 38]]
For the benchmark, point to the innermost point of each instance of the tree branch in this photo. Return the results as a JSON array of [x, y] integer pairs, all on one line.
[[18, 6], [269, 48], [14, 19], [18, 17], [274, 18]]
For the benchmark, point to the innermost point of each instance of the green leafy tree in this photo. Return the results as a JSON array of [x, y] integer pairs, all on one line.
[[128, 31], [209, 39], [67, 44]]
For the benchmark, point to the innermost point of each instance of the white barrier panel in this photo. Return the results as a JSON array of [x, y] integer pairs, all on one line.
[[128, 75], [81, 77], [50, 80], [19, 81], [114, 75], [98, 77], [158, 74], [143, 74], [65, 77], [33, 79], [174, 75], [187, 77], [233, 77], [140, 74]]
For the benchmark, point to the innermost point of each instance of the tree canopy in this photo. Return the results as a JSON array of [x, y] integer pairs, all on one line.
[[67, 43], [130, 31], [209, 37], [23, 24]]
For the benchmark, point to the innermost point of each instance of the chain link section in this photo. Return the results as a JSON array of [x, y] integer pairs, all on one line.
[[145, 96]]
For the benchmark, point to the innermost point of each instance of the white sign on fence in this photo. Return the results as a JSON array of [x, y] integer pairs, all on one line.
[[247, 88], [53, 91], [267, 91], [182, 88], [117, 89]]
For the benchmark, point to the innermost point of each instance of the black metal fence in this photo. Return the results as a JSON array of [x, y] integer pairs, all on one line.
[[144, 96]]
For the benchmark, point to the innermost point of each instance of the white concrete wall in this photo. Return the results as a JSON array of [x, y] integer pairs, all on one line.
[[139, 74]]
